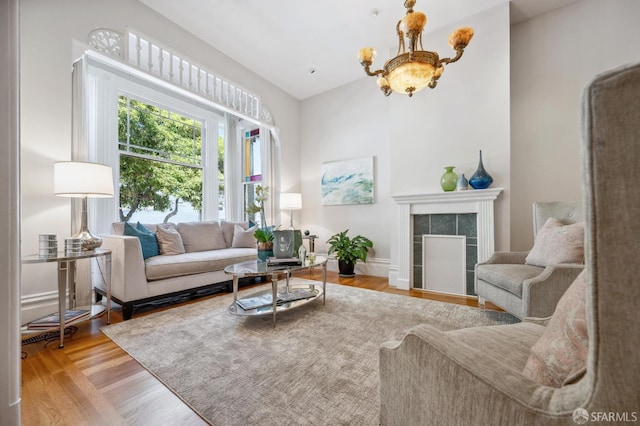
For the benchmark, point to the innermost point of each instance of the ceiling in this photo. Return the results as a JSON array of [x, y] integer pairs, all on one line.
[[309, 47]]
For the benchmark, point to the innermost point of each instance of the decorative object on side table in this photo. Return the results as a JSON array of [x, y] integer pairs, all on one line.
[[449, 179], [480, 179], [348, 251], [463, 183], [78, 179]]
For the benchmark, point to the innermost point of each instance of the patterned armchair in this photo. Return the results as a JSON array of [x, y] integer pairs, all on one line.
[[475, 376]]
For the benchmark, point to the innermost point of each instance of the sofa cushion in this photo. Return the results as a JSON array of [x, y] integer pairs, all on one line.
[[244, 238], [148, 241], [160, 267], [169, 241], [118, 227], [508, 277], [557, 243], [228, 230], [560, 356], [201, 236]]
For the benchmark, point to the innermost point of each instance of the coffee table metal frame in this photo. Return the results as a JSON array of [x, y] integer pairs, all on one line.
[[257, 268]]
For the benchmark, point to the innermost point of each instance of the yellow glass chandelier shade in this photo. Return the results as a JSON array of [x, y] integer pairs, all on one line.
[[461, 37], [367, 54], [410, 77], [413, 21]]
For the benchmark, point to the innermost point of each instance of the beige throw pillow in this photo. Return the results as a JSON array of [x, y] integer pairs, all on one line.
[[560, 355], [201, 236], [169, 241], [227, 230], [244, 238], [557, 243]]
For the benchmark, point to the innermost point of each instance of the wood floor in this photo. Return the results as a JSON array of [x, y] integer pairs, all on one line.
[[91, 381]]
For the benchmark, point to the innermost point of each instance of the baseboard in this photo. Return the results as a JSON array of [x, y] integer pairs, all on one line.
[[34, 306], [376, 267]]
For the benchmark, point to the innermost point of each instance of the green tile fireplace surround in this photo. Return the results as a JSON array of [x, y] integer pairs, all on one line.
[[466, 214]]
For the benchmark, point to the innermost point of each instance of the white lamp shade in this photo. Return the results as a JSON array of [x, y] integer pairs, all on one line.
[[291, 201], [80, 179]]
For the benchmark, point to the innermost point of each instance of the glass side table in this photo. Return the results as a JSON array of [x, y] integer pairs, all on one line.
[[66, 282]]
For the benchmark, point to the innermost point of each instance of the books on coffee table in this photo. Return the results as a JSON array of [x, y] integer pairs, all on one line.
[[263, 300], [283, 261], [53, 320]]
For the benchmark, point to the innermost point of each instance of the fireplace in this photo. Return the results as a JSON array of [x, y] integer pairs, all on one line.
[[444, 208]]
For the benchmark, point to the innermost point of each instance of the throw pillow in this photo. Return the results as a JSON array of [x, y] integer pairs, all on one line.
[[201, 236], [244, 238], [560, 355], [557, 243], [148, 240], [227, 230], [170, 241]]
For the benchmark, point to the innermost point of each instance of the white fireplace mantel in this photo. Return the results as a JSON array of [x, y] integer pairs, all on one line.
[[471, 201]]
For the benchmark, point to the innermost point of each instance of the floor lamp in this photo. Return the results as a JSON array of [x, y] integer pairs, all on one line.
[[77, 179], [291, 201]]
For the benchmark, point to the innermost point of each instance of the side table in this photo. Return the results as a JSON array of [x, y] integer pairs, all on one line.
[[66, 281]]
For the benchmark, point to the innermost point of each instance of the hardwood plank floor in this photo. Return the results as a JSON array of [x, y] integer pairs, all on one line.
[[91, 381]]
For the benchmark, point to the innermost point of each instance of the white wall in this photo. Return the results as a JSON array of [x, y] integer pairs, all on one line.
[[467, 112], [348, 122], [412, 138], [47, 33], [554, 56]]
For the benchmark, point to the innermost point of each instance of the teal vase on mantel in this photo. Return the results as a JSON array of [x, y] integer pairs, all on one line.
[[449, 179]]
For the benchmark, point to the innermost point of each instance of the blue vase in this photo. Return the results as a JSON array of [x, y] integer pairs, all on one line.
[[463, 183], [480, 179]]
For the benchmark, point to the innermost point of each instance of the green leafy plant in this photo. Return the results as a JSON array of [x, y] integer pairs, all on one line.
[[349, 250], [264, 235]]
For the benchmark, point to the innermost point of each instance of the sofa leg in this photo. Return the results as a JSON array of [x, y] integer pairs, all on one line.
[[127, 311]]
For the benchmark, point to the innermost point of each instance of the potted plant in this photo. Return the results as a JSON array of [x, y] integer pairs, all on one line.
[[348, 251]]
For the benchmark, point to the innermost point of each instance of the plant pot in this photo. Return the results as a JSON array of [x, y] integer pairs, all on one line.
[[346, 270], [265, 251]]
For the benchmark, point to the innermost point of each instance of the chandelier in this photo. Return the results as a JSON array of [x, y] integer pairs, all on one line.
[[416, 69]]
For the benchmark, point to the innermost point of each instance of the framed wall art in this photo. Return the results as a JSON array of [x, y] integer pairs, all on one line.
[[347, 182]]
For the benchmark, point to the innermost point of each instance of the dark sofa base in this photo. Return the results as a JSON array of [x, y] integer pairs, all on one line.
[[170, 298]]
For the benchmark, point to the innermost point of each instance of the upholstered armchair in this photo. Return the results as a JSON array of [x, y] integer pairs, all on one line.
[[476, 376], [520, 282]]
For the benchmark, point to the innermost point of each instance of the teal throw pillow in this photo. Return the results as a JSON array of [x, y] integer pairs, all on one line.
[[148, 240]]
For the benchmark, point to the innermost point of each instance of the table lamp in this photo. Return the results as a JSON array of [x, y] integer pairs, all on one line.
[[78, 179], [291, 201]]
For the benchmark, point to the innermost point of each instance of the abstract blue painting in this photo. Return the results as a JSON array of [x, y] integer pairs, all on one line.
[[347, 182]]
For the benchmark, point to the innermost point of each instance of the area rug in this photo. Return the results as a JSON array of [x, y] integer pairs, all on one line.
[[318, 366]]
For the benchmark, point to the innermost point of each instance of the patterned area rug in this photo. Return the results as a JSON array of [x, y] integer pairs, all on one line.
[[318, 366]]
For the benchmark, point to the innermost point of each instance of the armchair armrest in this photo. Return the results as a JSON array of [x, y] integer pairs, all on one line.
[[128, 278], [542, 293], [507, 257], [424, 378]]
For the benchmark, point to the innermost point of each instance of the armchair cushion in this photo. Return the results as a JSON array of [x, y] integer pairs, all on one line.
[[557, 243], [561, 353], [508, 277]]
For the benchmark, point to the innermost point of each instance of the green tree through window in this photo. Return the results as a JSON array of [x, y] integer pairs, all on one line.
[[160, 159]]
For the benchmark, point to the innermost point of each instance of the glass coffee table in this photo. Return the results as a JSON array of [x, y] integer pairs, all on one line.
[[270, 302]]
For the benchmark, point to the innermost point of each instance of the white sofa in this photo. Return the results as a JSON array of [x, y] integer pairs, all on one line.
[[209, 249]]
